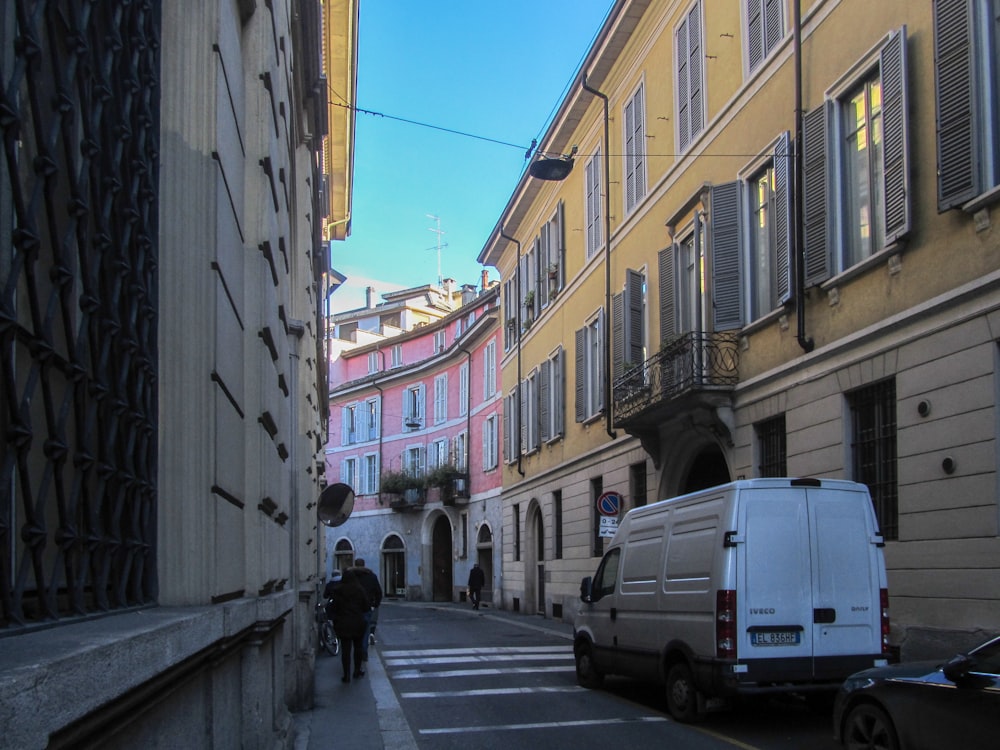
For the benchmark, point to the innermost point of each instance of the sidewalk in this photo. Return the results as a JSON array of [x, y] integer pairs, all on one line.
[[364, 714]]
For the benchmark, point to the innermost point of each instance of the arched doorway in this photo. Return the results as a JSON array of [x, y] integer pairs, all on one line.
[[441, 562], [484, 556], [534, 567], [343, 555], [708, 469], [393, 567]]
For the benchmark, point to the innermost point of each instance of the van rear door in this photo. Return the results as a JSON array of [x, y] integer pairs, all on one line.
[[774, 585], [847, 577], [811, 595]]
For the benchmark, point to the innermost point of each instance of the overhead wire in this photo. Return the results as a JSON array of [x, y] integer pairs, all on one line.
[[527, 149]]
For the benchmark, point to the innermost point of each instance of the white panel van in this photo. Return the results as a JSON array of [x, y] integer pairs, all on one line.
[[761, 585]]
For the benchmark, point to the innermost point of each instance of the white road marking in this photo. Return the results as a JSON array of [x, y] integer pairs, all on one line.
[[481, 658], [409, 674], [493, 692], [542, 725]]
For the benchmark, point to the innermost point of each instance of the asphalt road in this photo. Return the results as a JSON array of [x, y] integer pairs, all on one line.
[[497, 680]]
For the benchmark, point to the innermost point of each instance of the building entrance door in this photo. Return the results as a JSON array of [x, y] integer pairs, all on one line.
[[441, 544]]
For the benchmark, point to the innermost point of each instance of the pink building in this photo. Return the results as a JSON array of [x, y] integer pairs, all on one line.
[[415, 430]]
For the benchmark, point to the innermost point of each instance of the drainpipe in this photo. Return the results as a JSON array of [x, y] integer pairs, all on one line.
[[381, 420], [468, 423], [517, 292], [607, 259], [799, 254]]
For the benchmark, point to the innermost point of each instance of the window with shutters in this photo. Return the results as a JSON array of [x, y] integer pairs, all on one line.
[[440, 398], [413, 461], [767, 234], [461, 454], [372, 418], [551, 398], [489, 370], [413, 408], [595, 211], [349, 432], [369, 480], [552, 252], [590, 369], [463, 389], [510, 312], [512, 426], [856, 192], [635, 150], [628, 318], [490, 442], [681, 270], [349, 472], [529, 413], [765, 29], [438, 454], [691, 271], [690, 77], [967, 86]]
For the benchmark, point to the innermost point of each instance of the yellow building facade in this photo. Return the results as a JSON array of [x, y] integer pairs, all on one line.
[[802, 279]]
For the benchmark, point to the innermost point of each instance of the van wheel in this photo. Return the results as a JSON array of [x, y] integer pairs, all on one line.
[[586, 673], [682, 695]]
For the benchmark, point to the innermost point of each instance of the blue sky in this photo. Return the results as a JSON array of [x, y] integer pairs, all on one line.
[[496, 70]]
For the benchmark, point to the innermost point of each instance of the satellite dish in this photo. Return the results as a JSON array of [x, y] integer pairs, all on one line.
[[335, 504]]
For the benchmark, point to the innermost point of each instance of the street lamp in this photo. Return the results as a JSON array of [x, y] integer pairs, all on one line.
[[554, 169]]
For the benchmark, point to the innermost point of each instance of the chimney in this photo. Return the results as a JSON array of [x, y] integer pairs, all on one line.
[[369, 297]]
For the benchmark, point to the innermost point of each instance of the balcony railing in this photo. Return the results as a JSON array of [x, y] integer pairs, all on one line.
[[687, 363]]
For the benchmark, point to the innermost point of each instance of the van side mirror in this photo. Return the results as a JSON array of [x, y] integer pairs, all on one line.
[[586, 586]]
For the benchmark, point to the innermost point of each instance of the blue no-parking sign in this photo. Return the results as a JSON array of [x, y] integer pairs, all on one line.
[[609, 504]]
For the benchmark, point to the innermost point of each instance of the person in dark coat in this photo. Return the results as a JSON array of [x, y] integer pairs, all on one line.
[[350, 609], [477, 579], [369, 582]]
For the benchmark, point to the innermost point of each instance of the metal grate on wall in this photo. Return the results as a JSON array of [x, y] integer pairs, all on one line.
[[79, 119]]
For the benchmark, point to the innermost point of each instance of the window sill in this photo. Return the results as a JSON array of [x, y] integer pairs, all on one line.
[[987, 199], [885, 255]]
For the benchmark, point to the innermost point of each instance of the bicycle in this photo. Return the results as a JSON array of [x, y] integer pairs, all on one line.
[[327, 637]]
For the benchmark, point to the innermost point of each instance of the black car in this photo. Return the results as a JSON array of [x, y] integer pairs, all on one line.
[[923, 704]]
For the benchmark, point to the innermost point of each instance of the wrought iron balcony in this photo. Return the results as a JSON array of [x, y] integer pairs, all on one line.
[[412, 498], [686, 365]]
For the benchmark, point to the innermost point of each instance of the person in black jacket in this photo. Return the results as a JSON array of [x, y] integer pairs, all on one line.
[[477, 579], [369, 582], [350, 623]]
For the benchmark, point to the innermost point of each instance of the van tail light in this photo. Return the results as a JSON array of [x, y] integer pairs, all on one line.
[[883, 597], [725, 624]]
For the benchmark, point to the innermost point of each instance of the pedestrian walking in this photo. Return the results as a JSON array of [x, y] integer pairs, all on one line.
[[369, 582], [477, 579], [350, 622]]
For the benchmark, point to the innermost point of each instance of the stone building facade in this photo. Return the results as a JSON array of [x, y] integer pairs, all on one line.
[[163, 415]]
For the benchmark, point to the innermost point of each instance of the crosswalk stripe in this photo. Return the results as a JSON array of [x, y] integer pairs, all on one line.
[[414, 652], [409, 674], [542, 725], [491, 692], [482, 658]]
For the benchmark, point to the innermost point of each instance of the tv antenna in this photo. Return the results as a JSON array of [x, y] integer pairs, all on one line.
[[438, 232]]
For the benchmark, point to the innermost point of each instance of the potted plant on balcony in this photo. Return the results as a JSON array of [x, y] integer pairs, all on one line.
[[406, 488], [443, 478]]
